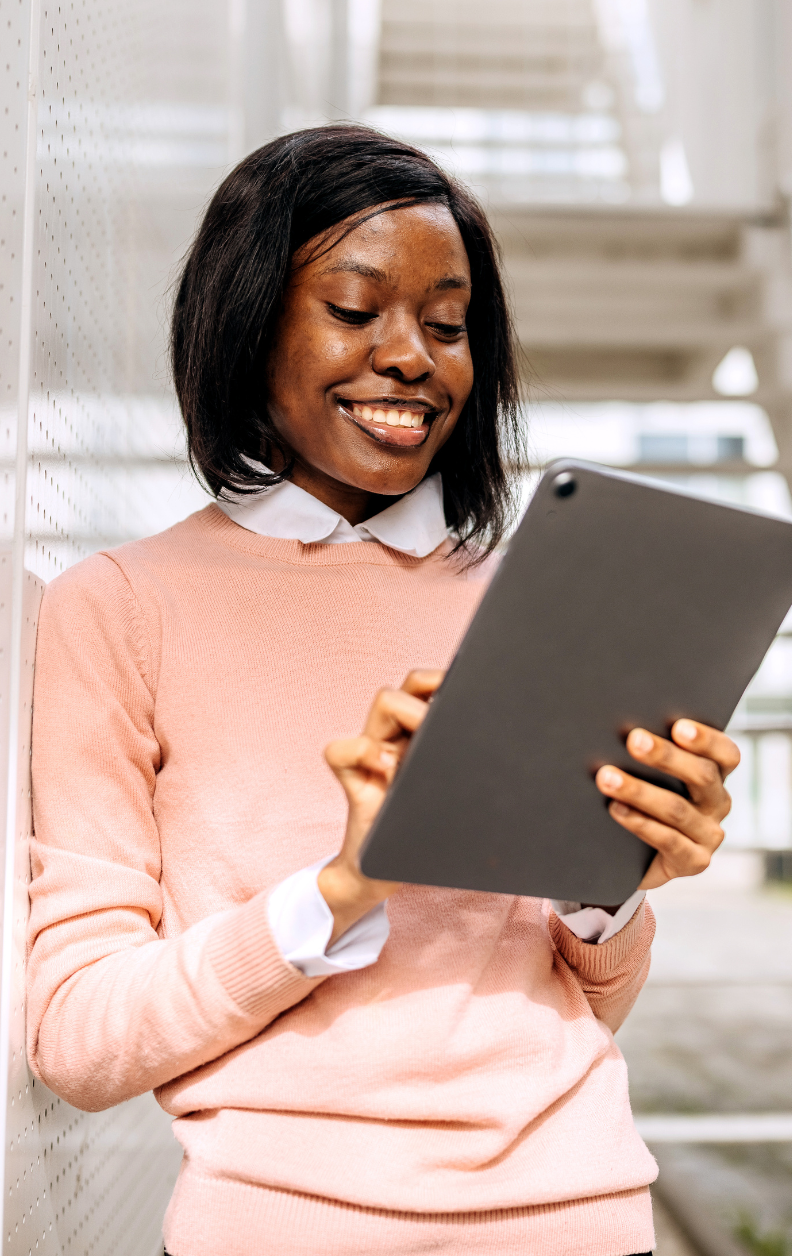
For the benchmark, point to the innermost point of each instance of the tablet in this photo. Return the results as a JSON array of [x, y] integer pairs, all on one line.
[[620, 602]]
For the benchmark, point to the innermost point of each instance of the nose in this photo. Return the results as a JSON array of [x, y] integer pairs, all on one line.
[[402, 352]]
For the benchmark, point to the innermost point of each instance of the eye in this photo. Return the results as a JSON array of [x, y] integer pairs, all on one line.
[[356, 317], [449, 331]]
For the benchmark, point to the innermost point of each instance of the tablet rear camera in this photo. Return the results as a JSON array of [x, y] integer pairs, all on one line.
[[564, 484]]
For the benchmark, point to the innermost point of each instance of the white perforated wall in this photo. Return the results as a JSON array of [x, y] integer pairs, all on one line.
[[130, 136], [114, 128]]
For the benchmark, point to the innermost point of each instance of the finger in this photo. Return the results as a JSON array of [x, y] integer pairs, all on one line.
[[423, 682], [701, 775], [393, 713], [362, 754], [703, 740], [659, 804], [681, 857]]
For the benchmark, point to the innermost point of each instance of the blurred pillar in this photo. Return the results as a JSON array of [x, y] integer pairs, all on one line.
[[712, 58], [782, 49], [256, 72], [338, 78], [264, 72], [775, 363]]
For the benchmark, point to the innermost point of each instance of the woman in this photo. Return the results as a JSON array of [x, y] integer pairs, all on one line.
[[199, 922]]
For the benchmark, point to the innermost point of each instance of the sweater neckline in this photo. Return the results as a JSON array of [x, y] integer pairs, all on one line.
[[354, 553]]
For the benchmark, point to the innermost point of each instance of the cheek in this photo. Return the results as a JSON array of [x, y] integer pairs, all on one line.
[[312, 358], [460, 376], [337, 351]]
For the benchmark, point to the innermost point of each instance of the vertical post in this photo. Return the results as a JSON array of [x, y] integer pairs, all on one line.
[[237, 79], [339, 61], [14, 648], [263, 71], [782, 38]]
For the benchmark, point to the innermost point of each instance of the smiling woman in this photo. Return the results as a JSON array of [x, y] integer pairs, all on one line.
[[372, 366], [340, 311], [345, 1079]]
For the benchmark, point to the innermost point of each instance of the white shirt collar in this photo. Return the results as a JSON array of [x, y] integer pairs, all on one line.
[[415, 524]]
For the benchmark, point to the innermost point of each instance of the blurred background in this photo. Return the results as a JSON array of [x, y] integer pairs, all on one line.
[[635, 157]]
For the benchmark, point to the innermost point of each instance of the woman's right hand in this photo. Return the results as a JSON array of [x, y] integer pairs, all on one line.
[[366, 766]]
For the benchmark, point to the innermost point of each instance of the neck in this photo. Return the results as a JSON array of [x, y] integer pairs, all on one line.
[[353, 504]]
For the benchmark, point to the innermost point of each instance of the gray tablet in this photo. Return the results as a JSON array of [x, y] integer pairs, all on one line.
[[620, 602]]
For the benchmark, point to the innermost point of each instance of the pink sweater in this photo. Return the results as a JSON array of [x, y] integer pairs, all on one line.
[[463, 1094]]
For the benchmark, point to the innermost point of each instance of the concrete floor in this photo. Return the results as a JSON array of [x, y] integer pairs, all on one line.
[[712, 1032]]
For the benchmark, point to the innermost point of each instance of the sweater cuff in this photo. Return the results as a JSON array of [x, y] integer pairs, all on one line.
[[243, 953], [598, 963], [594, 924]]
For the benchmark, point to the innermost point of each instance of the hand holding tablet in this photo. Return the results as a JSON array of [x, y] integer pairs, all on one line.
[[622, 605], [685, 833]]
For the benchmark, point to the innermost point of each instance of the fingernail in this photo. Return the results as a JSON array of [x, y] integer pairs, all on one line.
[[388, 758], [610, 779], [686, 730], [640, 741], [619, 809]]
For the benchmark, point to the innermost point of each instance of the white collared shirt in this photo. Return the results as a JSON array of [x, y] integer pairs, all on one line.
[[415, 524], [300, 920]]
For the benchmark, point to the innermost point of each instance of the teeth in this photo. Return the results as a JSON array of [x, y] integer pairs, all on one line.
[[393, 418]]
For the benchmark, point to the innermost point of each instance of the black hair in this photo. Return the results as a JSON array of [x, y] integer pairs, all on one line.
[[229, 298]]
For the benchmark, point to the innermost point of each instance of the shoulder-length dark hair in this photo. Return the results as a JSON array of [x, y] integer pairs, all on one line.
[[229, 299]]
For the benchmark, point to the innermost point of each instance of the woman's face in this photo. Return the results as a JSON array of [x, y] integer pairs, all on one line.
[[371, 365]]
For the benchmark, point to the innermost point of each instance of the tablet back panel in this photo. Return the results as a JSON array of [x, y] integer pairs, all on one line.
[[624, 603]]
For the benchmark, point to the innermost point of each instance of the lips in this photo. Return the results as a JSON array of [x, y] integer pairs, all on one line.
[[391, 421]]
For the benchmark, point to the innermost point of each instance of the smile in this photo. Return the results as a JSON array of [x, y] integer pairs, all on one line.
[[391, 421], [393, 418]]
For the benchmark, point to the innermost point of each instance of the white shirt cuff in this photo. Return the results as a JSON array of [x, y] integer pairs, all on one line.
[[301, 924], [594, 924]]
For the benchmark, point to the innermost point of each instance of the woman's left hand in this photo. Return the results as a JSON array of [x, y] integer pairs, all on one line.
[[684, 833]]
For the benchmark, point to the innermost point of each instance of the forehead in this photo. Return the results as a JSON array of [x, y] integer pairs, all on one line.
[[417, 239]]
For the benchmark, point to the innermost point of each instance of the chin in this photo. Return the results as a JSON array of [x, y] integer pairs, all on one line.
[[387, 486]]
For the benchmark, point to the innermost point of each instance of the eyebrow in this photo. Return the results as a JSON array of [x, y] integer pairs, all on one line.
[[452, 281], [352, 267], [357, 268]]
